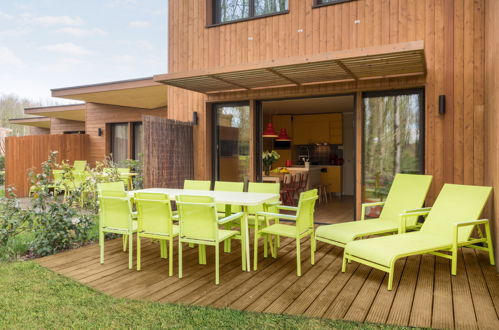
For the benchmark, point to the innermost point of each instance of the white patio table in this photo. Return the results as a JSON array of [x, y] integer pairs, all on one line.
[[243, 199]]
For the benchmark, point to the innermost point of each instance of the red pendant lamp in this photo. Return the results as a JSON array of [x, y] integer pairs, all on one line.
[[269, 131], [283, 135]]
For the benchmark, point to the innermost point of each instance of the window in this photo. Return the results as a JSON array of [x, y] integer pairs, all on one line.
[[393, 139], [234, 10], [119, 142], [138, 138], [329, 2], [232, 140], [126, 141]]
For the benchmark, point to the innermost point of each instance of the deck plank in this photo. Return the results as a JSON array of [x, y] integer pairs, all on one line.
[[485, 312], [424, 292], [402, 304], [423, 297], [443, 312]]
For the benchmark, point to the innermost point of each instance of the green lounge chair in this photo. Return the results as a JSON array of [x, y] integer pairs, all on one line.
[[80, 165], [303, 227], [197, 185], [448, 226], [155, 221], [258, 222], [199, 224], [115, 216], [407, 192]]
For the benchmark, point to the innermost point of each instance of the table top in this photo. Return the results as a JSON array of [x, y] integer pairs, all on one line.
[[221, 197]]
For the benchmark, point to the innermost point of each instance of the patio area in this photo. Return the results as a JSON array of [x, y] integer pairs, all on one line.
[[424, 293]]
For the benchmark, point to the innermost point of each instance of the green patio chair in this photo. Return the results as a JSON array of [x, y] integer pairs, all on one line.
[[408, 191], [226, 210], [115, 216], [115, 189], [155, 221], [80, 165], [449, 225], [199, 224], [303, 227], [124, 175], [197, 185], [258, 222]]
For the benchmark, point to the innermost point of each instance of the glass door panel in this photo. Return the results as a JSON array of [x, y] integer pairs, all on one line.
[[119, 142], [232, 140], [393, 141]]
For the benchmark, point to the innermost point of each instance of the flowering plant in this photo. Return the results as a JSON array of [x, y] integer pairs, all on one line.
[[269, 157]]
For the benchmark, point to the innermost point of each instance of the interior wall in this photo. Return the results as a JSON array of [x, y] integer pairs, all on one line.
[[491, 110]]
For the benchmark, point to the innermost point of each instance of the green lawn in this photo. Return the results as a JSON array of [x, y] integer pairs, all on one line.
[[34, 297]]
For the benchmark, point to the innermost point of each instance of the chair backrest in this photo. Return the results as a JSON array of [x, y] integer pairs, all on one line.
[[296, 179], [58, 176], [197, 217], [306, 209], [456, 203], [303, 180], [154, 213], [80, 165], [110, 186], [197, 185], [258, 187], [408, 192], [229, 186], [115, 212]]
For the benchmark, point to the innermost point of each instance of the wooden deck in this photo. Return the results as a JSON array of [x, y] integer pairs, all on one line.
[[424, 294]]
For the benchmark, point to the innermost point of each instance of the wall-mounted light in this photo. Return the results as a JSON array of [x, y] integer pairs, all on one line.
[[441, 104], [194, 118], [99, 131]]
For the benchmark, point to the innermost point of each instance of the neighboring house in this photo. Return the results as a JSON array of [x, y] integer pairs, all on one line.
[[4, 132], [111, 115], [406, 86]]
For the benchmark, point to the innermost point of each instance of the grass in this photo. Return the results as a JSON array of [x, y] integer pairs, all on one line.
[[34, 297]]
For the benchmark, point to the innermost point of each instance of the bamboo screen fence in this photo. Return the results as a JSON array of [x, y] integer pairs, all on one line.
[[29, 152], [168, 152]]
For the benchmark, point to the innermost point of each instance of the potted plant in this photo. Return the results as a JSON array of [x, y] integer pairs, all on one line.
[[269, 158]]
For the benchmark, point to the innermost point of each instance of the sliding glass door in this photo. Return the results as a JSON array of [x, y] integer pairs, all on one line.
[[393, 139], [232, 135]]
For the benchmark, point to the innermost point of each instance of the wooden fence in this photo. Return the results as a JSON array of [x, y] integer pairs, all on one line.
[[29, 152]]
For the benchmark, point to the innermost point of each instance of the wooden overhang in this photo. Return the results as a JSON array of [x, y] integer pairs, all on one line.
[[142, 93], [42, 122], [74, 112], [395, 60]]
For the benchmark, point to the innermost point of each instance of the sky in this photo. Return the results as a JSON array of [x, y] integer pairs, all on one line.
[[48, 44]]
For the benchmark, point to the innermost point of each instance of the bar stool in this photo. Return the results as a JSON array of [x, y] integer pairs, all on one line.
[[323, 195]]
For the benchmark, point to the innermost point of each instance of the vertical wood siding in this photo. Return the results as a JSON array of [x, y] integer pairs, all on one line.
[[453, 32], [26, 152], [59, 126], [491, 92]]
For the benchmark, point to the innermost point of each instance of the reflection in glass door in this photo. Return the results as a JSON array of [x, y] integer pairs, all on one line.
[[393, 140], [232, 142]]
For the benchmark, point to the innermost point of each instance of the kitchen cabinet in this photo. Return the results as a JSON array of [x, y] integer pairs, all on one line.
[[332, 177], [309, 129]]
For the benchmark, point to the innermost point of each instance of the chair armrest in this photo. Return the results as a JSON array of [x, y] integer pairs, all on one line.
[[365, 205], [471, 223], [411, 213], [277, 215], [231, 218], [455, 230], [287, 208], [273, 203]]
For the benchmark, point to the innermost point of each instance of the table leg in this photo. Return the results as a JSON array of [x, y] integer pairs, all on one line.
[[245, 233]]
